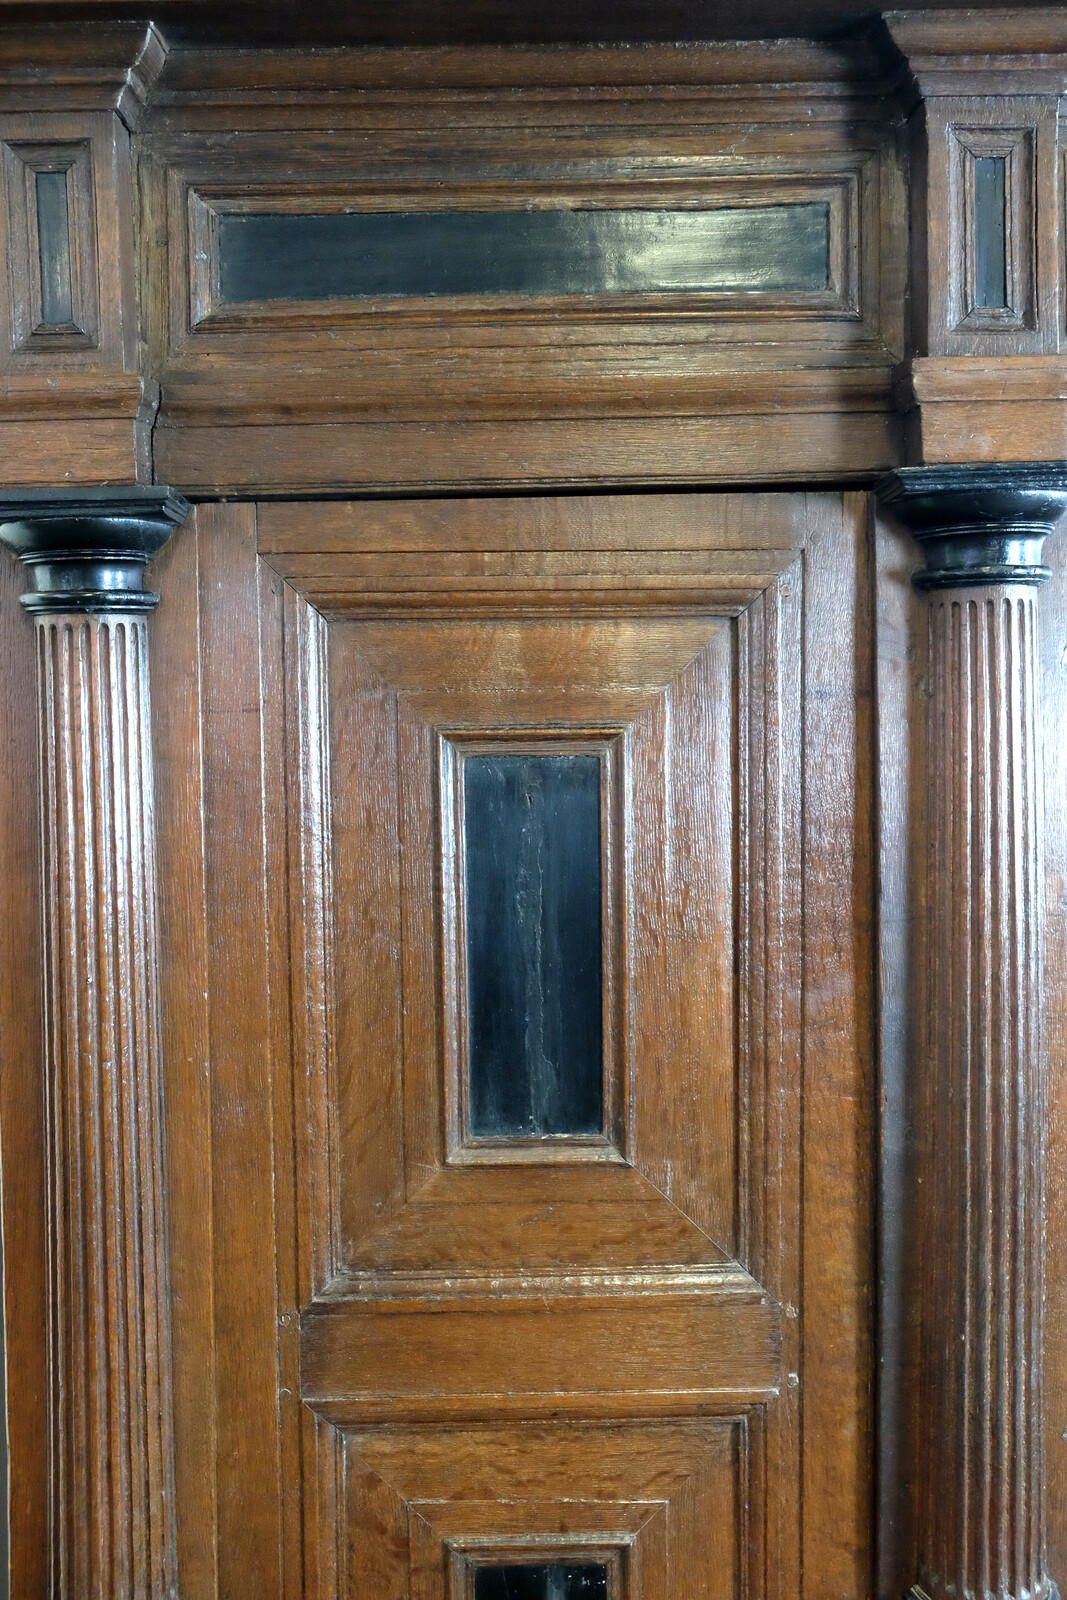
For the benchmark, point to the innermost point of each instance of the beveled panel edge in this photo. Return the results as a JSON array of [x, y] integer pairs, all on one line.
[[631, 523]]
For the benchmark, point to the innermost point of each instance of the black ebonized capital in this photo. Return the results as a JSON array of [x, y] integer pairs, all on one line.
[[88, 549], [978, 524]]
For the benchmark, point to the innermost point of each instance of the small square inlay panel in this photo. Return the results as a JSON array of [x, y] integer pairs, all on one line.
[[536, 1582]]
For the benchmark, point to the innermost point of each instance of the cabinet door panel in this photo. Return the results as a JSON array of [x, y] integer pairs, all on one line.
[[617, 1356]]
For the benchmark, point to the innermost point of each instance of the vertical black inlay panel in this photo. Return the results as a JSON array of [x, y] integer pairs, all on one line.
[[53, 246], [533, 912], [990, 233], [557, 1582]]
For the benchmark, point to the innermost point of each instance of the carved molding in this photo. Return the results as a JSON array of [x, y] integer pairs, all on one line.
[[979, 524], [87, 549], [112, 1509], [981, 1087]]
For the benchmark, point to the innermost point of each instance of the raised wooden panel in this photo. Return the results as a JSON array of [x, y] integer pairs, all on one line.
[[637, 1275], [74, 405], [321, 387], [93, 151], [745, 1309], [766, 248], [399, 695], [52, 234], [960, 130], [665, 1505]]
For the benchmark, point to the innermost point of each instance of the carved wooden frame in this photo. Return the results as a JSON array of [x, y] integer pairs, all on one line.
[[22, 163], [454, 746], [762, 592], [1016, 147], [695, 190]]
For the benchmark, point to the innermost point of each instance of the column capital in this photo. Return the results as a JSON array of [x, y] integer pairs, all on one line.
[[87, 550], [978, 524]]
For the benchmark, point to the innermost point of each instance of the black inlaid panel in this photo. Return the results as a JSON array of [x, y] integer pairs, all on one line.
[[990, 240], [53, 247], [534, 1003], [589, 1582], [349, 254]]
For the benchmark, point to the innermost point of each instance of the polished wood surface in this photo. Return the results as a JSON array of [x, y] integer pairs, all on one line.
[[542, 1316], [717, 1348]]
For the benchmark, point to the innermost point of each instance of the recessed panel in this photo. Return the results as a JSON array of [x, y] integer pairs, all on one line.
[[635, 857], [550, 1582], [533, 896], [341, 255]]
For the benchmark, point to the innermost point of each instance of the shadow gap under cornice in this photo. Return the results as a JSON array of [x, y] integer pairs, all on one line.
[[427, 23]]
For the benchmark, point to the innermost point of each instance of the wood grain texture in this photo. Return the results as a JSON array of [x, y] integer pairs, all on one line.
[[903, 705], [177, 733], [1052, 659], [111, 1482], [102, 243], [980, 1518], [23, 1116], [248, 1325], [665, 1498], [111, 65], [840, 1094], [561, 389], [420, 456], [1007, 408]]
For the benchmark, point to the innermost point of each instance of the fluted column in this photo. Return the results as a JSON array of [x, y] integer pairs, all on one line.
[[111, 1477], [982, 1093]]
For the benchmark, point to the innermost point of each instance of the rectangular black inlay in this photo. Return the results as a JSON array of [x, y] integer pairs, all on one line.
[[534, 967], [557, 1582], [990, 233], [53, 248], [267, 256]]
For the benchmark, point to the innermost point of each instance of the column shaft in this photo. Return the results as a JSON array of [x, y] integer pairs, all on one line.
[[982, 1150], [111, 1482]]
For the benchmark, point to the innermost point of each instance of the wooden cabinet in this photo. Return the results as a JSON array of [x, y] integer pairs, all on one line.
[[532, 998]]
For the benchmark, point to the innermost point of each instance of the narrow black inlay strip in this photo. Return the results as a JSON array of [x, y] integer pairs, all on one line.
[[53, 246], [557, 1582], [267, 256], [533, 912], [990, 234]]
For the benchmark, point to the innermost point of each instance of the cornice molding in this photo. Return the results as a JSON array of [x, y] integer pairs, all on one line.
[[108, 66], [1004, 51]]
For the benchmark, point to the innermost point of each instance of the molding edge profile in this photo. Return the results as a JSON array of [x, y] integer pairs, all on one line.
[[111, 1490], [980, 1091]]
